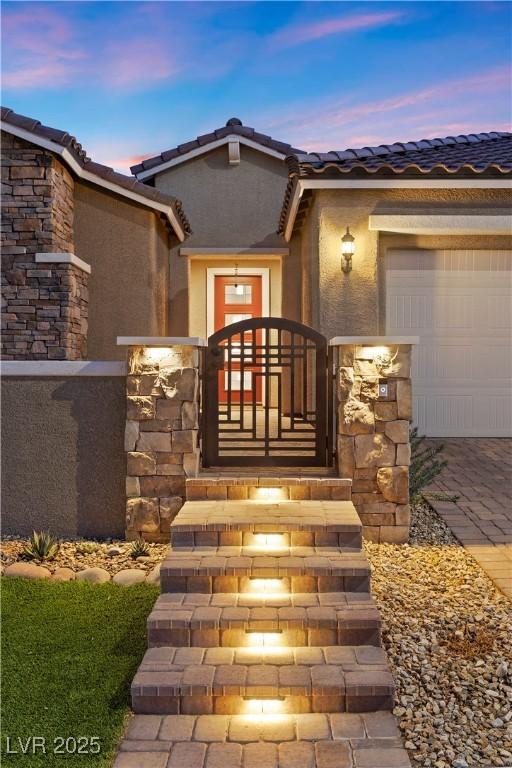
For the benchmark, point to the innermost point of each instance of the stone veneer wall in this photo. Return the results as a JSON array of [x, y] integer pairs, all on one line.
[[373, 436], [161, 438], [44, 312]]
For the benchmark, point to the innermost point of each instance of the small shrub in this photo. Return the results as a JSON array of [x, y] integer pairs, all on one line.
[[139, 548], [87, 547], [41, 546], [425, 464], [470, 643]]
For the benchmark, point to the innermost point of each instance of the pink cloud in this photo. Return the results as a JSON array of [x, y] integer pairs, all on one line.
[[43, 48], [39, 48], [433, 110], [140, 61], [124, 164], [302, 33]]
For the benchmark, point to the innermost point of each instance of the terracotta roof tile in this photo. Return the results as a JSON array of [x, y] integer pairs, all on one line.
[[487, 154], [473, 153], [70, 143], [233, 127]]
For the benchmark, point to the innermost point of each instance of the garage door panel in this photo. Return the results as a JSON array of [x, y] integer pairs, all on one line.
[[443, 414], [460, 305]]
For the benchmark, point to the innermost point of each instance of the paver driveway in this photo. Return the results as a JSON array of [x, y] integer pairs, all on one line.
[[480, 472]]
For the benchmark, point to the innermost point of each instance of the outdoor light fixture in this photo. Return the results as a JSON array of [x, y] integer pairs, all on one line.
[[263, 706], [268, 541], [347, 251], [269, 494], [258, 639], [267, 586]]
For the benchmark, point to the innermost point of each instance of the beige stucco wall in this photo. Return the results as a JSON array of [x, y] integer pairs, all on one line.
[[127, 248], [354, 303], [229, 206], [63, 460]]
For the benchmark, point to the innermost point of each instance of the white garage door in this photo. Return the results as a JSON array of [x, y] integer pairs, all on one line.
[[459, 304]]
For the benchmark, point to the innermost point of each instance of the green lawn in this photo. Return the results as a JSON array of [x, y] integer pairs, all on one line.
[[69, 653]]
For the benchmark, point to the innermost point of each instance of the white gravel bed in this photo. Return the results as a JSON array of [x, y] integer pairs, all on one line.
[[448, 635]]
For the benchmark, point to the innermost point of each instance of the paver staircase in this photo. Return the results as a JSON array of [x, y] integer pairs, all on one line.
[[264, 646]]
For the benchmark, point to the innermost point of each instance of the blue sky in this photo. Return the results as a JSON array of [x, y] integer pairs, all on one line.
[[131, 79]]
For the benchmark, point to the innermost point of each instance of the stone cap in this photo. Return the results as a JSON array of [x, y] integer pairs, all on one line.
[[63, 368], [63, 258], [160, 341], [373, 341]]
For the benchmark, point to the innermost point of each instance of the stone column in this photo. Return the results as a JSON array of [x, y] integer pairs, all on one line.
[[373, 417], [162, 427], [44, 284]]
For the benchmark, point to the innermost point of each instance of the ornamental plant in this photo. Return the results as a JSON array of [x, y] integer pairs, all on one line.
[[41, 546], [139, 548], [426, 464]]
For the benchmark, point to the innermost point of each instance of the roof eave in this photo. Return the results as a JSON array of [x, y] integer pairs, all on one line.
[[298, 184], [80, 170], [142, 173]]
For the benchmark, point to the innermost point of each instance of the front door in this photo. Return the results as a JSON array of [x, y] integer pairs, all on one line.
[[238, 297]]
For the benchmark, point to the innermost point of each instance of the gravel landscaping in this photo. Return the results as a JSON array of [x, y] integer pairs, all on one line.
[[448, 635], [85, 560]]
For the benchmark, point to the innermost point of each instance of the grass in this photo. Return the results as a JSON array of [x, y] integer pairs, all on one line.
[[69, 653]]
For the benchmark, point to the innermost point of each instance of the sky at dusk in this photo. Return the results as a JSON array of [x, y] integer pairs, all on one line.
[[131, 79]]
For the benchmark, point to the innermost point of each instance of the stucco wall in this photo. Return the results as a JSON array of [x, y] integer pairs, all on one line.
[[354, 304], [63, 461], [128, 250], [228, 206]]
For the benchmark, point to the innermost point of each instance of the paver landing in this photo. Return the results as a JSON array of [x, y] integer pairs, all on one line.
[[479, 471]]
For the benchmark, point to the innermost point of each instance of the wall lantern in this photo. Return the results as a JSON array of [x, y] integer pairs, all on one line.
[[348, 249]]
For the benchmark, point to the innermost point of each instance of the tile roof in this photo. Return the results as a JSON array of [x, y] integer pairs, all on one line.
[[233, 127], [476, 152], [487, 155], [103, 172]]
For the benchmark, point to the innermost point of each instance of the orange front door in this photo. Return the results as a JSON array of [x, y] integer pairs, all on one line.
[[239, 298]]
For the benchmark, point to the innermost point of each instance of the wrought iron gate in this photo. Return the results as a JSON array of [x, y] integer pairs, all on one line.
[[266, 396]]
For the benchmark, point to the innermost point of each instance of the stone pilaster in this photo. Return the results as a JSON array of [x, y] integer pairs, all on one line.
[[44, 312], [373, 386], [161, 438]]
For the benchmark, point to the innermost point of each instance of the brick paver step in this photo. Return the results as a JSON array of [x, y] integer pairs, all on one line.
[[341, 740], [245, 486], [252, 523], [234, 619], [240, 569], [252, 680]]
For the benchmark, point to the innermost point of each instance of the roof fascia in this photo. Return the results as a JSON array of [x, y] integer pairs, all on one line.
[[82, 173], [208, 148], [425, 183]]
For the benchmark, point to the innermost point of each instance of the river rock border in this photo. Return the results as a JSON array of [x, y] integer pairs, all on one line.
[[125, 577]]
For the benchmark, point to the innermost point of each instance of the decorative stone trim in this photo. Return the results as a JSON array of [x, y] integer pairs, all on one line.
[[373, 431], [162, 434], [63, 258], [63, 368]]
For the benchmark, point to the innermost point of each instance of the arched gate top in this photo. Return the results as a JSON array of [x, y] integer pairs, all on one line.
[[278, 323]]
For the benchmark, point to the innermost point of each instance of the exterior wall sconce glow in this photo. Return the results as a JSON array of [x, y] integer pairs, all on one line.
[[348, 249]]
